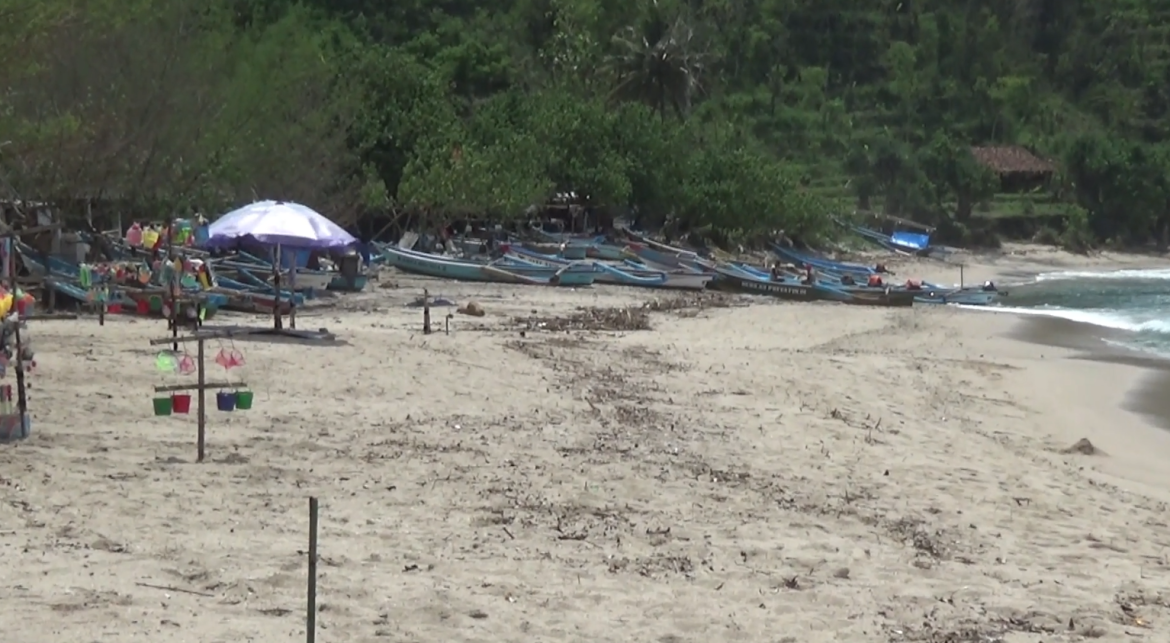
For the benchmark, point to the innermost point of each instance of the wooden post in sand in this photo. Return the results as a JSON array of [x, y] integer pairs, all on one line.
[[426, 312], [960, 275], [311, 614]]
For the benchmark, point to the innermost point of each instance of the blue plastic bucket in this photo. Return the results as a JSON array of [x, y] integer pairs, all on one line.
[[225, 400]]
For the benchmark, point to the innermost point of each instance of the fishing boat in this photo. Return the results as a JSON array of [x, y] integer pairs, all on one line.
[[64, 278], [866, 295], [963, 296], [900, 241], [495, 271], [251, 301], [678, 260], [605, 252], [607, 274], [930, 293], [308, 280], [734, 280], [834, 291]]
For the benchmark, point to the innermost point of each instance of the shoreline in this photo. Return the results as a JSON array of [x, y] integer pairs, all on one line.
[[1147, 399]]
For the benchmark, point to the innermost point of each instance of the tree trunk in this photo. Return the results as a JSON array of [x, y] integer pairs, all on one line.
[[964, 208], [1164, 232]]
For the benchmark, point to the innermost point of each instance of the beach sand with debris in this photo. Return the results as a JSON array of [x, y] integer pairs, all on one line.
[[721, 468]]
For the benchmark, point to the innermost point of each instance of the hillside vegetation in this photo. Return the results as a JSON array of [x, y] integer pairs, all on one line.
[[734, 117]]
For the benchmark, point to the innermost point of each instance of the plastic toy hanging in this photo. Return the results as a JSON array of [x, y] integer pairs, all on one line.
[[229, 359], [170, 362]]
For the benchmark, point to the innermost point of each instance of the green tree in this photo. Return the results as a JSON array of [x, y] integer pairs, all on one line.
[[657, 61]]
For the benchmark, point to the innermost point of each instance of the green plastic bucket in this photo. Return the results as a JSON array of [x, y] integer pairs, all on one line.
[[163, 405], [156, 304], [243, 400]]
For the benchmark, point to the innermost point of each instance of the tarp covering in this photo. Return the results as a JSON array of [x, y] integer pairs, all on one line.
[[911, 240]]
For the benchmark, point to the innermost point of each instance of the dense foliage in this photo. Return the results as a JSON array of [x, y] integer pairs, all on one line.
[[736, 117]]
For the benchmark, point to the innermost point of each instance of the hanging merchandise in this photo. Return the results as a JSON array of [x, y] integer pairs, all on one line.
[[150, 237], [134, 236]]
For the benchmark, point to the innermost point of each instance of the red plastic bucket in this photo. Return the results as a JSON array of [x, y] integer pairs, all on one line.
[[181, 403], [143, 307], [114, 309]]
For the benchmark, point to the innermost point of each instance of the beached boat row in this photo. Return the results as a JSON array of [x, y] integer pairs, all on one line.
[[644, 263]]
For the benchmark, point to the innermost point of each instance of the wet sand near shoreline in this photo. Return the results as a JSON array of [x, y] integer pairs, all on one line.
[[742, 469], [1150, 398]]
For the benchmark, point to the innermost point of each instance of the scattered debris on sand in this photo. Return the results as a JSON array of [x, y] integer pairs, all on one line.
[[690, 301], [590, 319], [472, 309], [1083, 447]]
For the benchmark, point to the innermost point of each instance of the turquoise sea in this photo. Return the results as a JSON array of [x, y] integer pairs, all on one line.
[[1133, 304]]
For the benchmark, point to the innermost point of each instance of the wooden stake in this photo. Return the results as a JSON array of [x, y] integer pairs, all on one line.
[[311, 615], [173, 287], [277, 321], [426, 312], [201, 410], [292, 288]]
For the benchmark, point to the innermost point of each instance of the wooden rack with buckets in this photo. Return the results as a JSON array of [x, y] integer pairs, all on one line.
[[15, 423], [180, 401]]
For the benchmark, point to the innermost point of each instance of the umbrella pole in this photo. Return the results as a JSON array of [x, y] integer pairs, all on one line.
[[292, 289], [277, 322]]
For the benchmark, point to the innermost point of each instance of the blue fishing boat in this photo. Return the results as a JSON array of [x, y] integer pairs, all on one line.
[[494, 272], [605, 252], [865, 295], [832, 290], [607, 274], [930, 293], [680, 260]]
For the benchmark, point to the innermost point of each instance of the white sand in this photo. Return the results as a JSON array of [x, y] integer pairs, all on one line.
[[777, 472]]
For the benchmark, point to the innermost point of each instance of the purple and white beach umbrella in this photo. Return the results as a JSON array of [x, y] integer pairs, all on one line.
[[278, 223]]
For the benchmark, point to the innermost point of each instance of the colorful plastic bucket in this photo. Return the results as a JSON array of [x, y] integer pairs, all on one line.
[[142, 306], [162, 405], [181, 402], [156, 304], [243, 400], [225, 401]]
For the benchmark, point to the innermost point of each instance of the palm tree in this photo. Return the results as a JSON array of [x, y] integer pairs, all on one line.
[[656, 62]]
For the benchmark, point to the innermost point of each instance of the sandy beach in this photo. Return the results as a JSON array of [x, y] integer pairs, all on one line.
[[743, 469]]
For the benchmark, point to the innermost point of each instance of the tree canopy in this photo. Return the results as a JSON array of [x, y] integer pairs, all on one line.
[[740, 118]]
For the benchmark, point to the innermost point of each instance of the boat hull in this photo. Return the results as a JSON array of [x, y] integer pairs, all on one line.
[[963, 297], [865, 296], [307, 280], [605, 252], [640, 278], [440, 267], [736, 281]]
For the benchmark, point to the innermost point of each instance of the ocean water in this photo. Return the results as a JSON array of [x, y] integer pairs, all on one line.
[[1134, 305]]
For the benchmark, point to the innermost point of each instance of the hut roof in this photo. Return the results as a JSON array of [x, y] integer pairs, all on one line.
[[1011, 159]]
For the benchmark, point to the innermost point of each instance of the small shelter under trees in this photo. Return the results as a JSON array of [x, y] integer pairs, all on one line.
[[1018, 169]]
